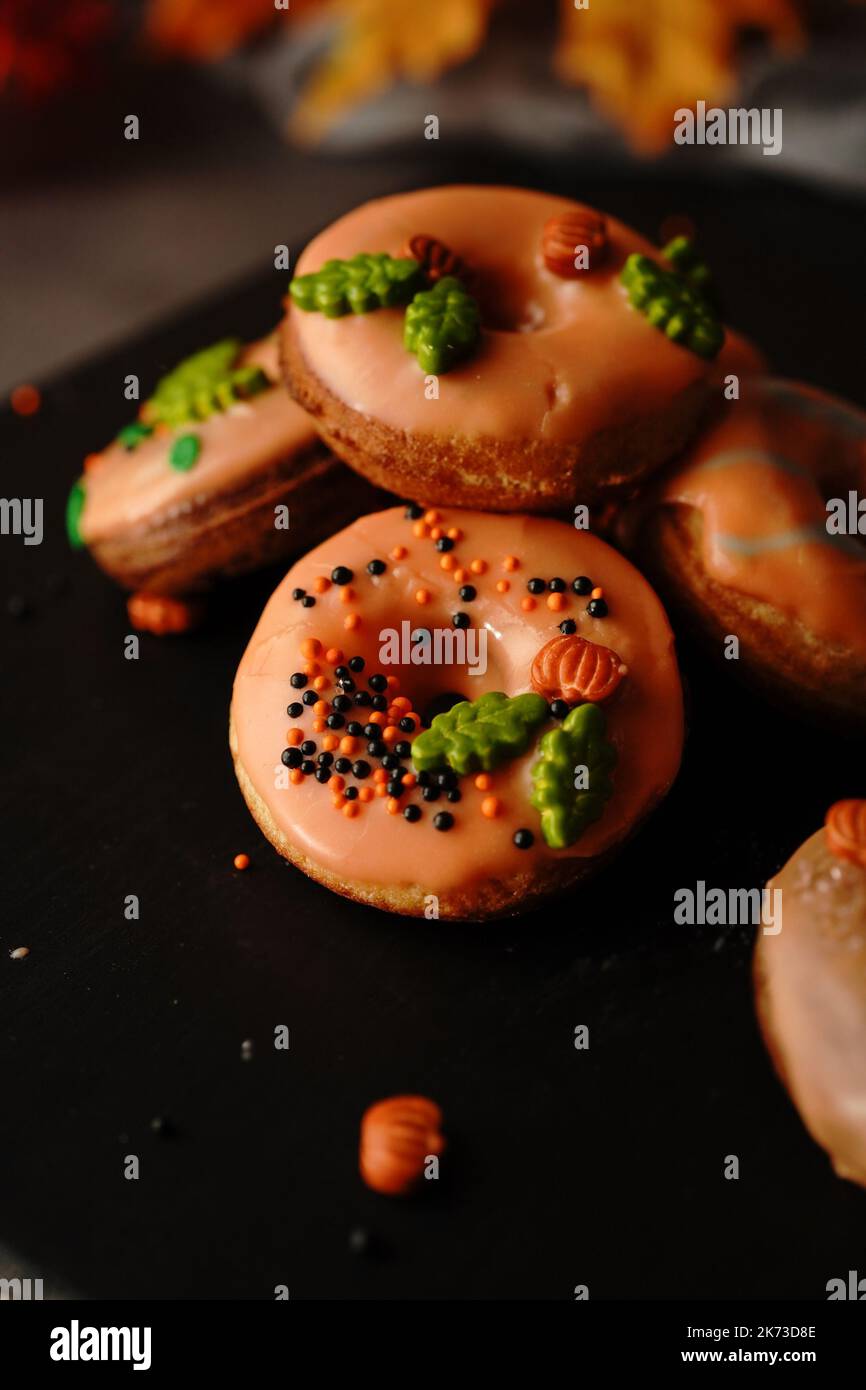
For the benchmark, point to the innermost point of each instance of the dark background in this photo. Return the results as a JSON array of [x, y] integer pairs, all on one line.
[[602, 1167]]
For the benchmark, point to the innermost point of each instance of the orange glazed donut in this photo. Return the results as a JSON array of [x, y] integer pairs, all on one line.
[[360, 768], [569, 392], [810, 986], [758, 533]]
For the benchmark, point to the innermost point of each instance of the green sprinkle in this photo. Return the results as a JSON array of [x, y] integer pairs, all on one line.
[[442, 325], [677, 301], [184, 452], [368, 281], [74, 509], [479, 735], [578, 743], [203, 385], [132, 435]]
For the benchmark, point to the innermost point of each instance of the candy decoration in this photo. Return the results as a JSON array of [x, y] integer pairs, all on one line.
[[184, 452], [670, 303], [681, 254], [442, 325], [565, 234], [572, 668], [398, 1135], [435, 258], [479, 735], [132, 435], [74, 508], [200, 386], [579, 742], [160, 614], [846, 831], [370, 280]]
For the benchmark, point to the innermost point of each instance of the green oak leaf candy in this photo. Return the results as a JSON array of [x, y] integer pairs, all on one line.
[[202, 385], [682, 255], [370, 280], [74, 508], [442, 325], [671, 303], [578, 742], [479, 735]]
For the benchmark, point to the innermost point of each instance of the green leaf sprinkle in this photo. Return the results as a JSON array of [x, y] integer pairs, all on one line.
[[132, 435], [442, 325], [184, 452], [578, 742], [479, 735], [672, 303], [202, 385], [74, 509], [370, 280]]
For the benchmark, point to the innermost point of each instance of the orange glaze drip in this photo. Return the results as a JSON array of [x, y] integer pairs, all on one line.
[[760, 477], [559, 359], [127, 488], [374, 847]]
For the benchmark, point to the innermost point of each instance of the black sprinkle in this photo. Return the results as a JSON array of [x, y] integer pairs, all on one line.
[[376, 748], [342, 575], [414, 512], [308, 747], [341, 703], [407, 726], [291, 757], [454, 794], [361, 768], [376, 567], [362, 699], [582, 585], [443, 820], [379, 703], [308, 767], [568, 626], [597, 608], [557, 586], [468, 592], [298, 593], [295, 709], [431, 793], [298, 680], [412, 813], [402, 749], [355, 729], [536, 586], [323, 774], [460, 619], [378, 682], [308, 601], [524, 839], [558, 709], [444, 543], [351, 793], [310, 697], [343, 765], [335, 721], [325, 758], [356, 663]]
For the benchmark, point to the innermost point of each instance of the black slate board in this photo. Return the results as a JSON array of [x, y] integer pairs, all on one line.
[[602, 1167]]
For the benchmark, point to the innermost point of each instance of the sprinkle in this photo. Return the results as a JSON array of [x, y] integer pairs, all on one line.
[[296, 776], [447, 562], [377, 717], [294, 736], [422, 596], [455, 534], [342, 575], [92, 461], [399, 552], [319, 726], [20, 953], [503, 585], [409, 781], [527, 604], [312, 668], [25, 400], [597, 593], [511, 563], [443, 820], [460, 576], [338, 802], [347, 595], [352, 621], [321, 683], [321, 708], [582, 584], [556, 602], [392, 806], [311, 647], [412, 813], [420, 529], [391, 733], [401, 702], [436, 533], [333, 656], [330, 742], [351, 808], [380, 775], [241, 861], [184, 452], [432, 517], [322, 584], [366, 794], [523, 839], [349, 744], [484, 781], [491, 806], [478, 566], [336, 783], [393, 682], [381, 788]]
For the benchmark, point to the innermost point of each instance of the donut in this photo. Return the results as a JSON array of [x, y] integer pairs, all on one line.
[[755, 533], [187, 492], [398, 742], [560, 359], [810, 986]]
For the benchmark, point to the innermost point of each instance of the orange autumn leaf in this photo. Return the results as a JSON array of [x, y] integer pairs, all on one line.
[[643, 59], [382, 41]]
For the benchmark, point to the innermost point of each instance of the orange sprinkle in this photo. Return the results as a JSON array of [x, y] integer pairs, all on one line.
[[420, 529], [410, 780], [436, 533], [503, 585], [484, 781], [528, 603], [158, 613], [455, 534], [348, 744], [399, 552], [366, 794], [321, 683], [92, 461], [312, 668], [352, 621], [393, 682], [490, 807], [478, 566], [391, 733], [432, 517], [322, 584], [311, 647], [294, 736], [351, 809], [319, 726], [25, 400], [392, 806], [447, 562], [380, 775], [336, 783], [460, 576], [339, 801], [347, 594], [377, 717], [241, 861], [321, 708], [401, 702], [296, 776], [333, 656], [330, 742], [556, 602], [381, 788], [511, 563], [597, 593], [422, 596]]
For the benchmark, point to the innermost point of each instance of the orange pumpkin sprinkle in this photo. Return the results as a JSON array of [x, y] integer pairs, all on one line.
[[352, 622], [420, 529], [571, 668], [455, 534], [432, 517], [503, 585], [422, 596], [436, 533], [399, 552], [392, 806], [597, 593], [296, 776], [366, 794], [319, 726], [484, 781], [396, 1136], [294, 737], [511, 563], [528, 603], [311, 647], [447, 562], [241, 861], [336, 783], [556, 602], [348, 744], [347, 594], [333, 656], [330, 742], [491, 807], [322, 584], [478, 566], [846, 831]]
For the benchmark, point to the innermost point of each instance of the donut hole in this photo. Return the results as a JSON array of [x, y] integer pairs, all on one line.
[[513, 302]]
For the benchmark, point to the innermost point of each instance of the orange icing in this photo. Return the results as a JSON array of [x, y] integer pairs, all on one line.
[[645, 722], [127, 488], [815, 971], [559, 358], [760, 477]]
